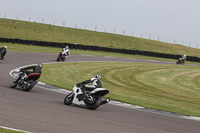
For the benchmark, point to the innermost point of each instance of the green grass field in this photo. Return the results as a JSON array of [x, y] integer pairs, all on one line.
[[3, 130], [173, 88]]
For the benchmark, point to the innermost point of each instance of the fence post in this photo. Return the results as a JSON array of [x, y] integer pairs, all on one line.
[[96, 28]]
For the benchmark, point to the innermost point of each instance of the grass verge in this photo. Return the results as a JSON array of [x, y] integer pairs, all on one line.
[[3, 130], [163, 87]]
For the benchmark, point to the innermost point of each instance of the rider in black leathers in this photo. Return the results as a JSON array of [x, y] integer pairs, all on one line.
[[36, 69], [3, 52]]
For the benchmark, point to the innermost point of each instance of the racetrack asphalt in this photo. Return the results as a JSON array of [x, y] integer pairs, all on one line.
[[43, 111]]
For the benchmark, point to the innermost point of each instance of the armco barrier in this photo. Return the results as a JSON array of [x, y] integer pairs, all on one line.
[[97, 48]]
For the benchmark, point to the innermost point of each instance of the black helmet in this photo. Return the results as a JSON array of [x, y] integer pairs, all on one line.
[[40, 65], [98, 76]]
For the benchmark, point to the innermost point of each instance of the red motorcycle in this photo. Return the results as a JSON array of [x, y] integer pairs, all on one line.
[[26, 82]]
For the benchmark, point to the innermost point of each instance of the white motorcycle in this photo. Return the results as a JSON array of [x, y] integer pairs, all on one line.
[[93, 99]]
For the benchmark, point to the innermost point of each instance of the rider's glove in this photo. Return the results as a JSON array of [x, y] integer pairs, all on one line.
[[78, 85]]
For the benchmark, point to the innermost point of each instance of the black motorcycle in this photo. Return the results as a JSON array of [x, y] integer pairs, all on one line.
[[26, 82]]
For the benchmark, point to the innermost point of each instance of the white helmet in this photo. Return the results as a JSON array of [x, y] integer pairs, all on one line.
[[98, 76]]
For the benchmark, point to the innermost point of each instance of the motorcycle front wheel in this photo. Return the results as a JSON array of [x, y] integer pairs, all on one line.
[[13, 84], [95, 104], [68, 99], [58, 58]]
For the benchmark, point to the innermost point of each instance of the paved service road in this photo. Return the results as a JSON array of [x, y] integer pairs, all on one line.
[[43, 111]]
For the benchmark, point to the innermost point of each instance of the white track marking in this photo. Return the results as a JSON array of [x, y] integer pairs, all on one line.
[[15, 129]]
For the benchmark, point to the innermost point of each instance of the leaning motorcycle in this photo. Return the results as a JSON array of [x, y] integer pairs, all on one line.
[[92, 101], [180, 61], [26, 82], [61, 57]]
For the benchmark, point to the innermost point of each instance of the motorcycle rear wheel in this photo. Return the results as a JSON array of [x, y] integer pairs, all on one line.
[[30, 85], [63, 59], [95, 104]]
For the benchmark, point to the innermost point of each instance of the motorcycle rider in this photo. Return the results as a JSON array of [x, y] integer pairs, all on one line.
[[36, 69], [183, 58], [96, 83], [66, 51], [3, 52]]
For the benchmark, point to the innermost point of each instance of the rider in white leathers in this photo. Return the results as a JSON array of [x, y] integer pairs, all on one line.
[[96, 83], [184, 58], [66, 51]]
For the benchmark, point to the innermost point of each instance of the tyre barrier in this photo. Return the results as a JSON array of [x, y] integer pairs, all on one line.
[[97, 48]]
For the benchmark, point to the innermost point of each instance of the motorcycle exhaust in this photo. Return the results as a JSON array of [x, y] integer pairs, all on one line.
[[104, 101]]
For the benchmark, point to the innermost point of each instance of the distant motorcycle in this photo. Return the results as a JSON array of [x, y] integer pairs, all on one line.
[[93, 99], [61, 57], [180, 61], [26, 82]]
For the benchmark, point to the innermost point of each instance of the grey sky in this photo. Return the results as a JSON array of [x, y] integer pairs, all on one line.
[[169, 19]]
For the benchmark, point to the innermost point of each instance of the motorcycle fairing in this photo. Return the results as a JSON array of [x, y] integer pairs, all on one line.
[[100, 92], [35, 76]]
